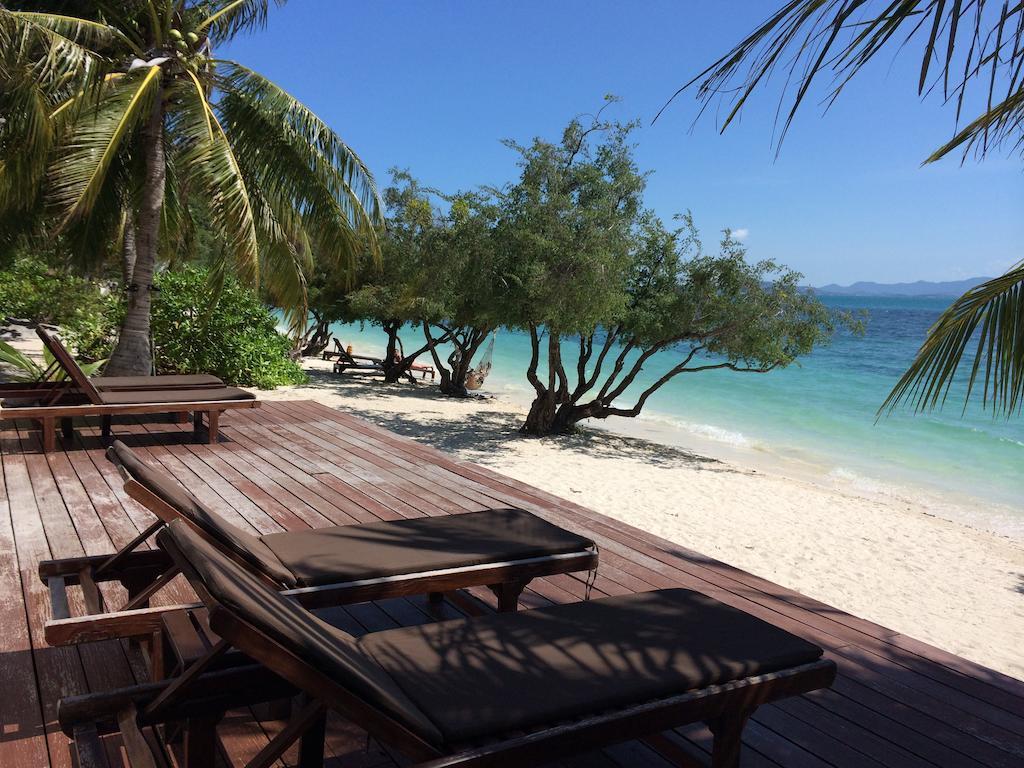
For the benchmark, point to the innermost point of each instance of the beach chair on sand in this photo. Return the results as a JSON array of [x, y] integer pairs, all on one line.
[[48, 402], [500, 548], [504, 689], [347, 362]]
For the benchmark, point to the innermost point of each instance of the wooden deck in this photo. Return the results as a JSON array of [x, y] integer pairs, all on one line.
[[897, 702]]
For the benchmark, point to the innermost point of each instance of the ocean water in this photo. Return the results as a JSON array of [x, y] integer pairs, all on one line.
[[819, 417]]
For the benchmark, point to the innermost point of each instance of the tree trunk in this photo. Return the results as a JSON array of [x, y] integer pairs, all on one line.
[[547, 417], [393, 368], [317, 339], [453, 384], [133, 355], [128, 252]]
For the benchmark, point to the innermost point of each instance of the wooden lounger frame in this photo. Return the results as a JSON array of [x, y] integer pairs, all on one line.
[[145, 572], [726, 708], [48, 416]]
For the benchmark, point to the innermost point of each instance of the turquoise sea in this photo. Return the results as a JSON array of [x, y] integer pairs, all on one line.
[[820, 415]]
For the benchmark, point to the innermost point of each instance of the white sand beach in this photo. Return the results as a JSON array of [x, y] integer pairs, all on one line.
[[892, 559]]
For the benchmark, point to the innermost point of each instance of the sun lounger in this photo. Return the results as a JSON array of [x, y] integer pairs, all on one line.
[[63, 358], [350, 362], [500, 548], [92, 401], [505, 689]]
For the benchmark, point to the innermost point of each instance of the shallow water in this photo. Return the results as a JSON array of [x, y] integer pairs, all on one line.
[[821, 414]]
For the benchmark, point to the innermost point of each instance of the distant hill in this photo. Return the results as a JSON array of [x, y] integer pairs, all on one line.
[[920, 288]]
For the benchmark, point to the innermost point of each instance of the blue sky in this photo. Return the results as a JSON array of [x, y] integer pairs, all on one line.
[[434, 86]]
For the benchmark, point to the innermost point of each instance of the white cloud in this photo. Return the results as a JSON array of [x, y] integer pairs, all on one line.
[[740, 233]]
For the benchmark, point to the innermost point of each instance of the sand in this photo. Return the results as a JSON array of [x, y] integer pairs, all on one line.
[[893, 560]]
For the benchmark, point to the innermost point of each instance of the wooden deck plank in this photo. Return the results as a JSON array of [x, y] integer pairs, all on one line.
[[291, 465]]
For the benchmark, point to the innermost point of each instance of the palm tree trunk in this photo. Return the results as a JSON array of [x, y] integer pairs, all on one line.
[[133, 355]]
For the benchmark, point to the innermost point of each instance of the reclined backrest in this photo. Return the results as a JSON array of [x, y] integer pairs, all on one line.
[[327, 649], [67, 362], [244, 545]]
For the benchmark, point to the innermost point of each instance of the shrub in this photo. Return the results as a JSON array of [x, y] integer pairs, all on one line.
[[87, 311], [234, 337]]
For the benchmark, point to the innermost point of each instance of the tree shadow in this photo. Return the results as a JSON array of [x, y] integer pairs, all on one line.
[[483, 436]]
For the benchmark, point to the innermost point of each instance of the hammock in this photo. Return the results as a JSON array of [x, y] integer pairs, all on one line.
[[475, 376]]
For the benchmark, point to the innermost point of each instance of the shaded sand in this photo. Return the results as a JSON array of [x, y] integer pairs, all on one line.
[[889, 560]]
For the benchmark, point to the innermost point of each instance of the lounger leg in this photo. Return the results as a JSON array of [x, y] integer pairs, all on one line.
[[311, 745], [197, 424], [214, 417], [508, 594], [49, 427], [67, 429], [728, 731], [105, 425], [200, 746]]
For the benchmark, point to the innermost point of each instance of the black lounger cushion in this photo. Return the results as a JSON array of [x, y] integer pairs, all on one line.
[[172, 396], [353, 552], [168, 381], [506, 672], [242, 544], [332, 651]]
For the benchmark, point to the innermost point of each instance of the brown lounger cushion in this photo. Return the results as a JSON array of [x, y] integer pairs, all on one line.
[[170, 381], [330, 650], [506, 672], [134, 397], [242, 544], [368, 551]]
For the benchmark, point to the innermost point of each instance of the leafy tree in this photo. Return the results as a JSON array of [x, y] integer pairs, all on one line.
[[971, 52], [609, 285], [401, 288], [118, 113], [469, 276]]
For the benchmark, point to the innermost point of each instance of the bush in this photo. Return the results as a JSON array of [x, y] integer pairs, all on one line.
[[235, 337], [87, 311]]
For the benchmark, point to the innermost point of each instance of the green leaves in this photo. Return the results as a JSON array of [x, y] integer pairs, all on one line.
[[79, 170], [978, 48], [280, 187], [990, 317], [27, 369]]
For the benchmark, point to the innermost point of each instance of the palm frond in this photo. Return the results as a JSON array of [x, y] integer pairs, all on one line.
[[79, 171], [311, 192], [977, 47], [91, 34], [335, 158], [211, 167], [990, 316], [228, 18]]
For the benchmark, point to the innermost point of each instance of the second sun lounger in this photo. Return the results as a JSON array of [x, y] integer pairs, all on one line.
[[502, 549], [506, 689], [208, 401]]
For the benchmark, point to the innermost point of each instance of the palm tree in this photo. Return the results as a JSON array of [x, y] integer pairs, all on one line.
[[119, 113], [970, 50]]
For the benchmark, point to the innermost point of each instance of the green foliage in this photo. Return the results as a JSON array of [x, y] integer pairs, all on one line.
[[26, 368], [235, 336], [86, 310], [88, 89], [565, 227], [31, 289]]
